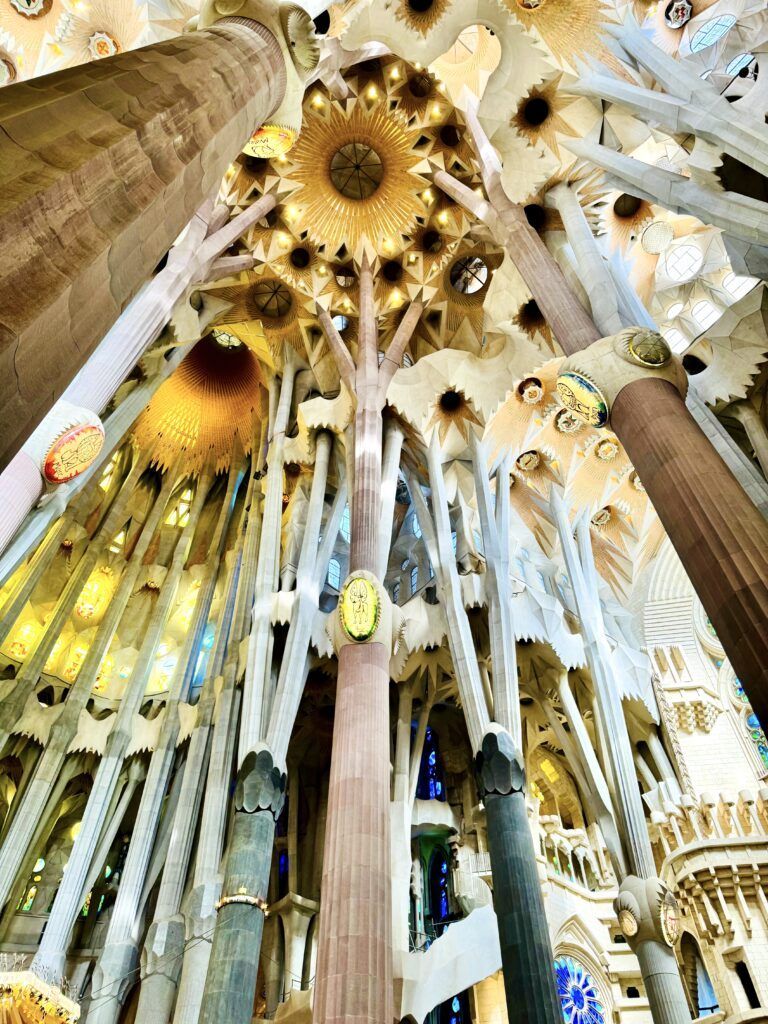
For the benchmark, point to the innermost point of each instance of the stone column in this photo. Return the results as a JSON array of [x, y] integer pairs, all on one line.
[[354, 968], [754, 426], [51, 954], [393, 446], [191, 260], [126, 178], [720, 537], [591, 267], [120, 954], [526, 950], [523, 929], [64, 730], [230, 986]]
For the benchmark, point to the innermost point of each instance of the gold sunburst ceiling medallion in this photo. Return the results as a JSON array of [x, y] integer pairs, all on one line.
[[357, 174]]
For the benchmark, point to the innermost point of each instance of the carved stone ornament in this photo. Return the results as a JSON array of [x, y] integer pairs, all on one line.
[[499, 765], [260, 784], [647, 911], [677, 13], [591, 379]]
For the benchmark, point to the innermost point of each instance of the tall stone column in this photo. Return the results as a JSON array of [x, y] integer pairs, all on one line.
[[52, 952], [719, 535], [526, 950], [230, 986], [155, 130], [354, 968], [47, 770], [523, 930]]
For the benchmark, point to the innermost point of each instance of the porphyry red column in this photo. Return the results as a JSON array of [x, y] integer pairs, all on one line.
[[719, 535], [101, 166], [354, 967]]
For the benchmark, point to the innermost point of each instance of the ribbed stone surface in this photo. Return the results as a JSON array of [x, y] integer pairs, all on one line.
[[354, 970], [720, 536], [101, 166]]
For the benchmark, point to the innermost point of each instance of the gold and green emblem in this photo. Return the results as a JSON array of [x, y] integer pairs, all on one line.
[[649, 349], [359, 609], [583, 398]]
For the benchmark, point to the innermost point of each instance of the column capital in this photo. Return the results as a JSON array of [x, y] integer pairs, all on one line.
[[499, 765], [591, 380], [260, 784], [647, 911]]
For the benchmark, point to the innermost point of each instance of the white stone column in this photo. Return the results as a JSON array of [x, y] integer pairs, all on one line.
[[256, 695], [35, 794], [591, 267], [51, 955]]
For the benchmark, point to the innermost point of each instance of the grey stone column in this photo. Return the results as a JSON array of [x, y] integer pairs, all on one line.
[[231, 983], [526, 951]]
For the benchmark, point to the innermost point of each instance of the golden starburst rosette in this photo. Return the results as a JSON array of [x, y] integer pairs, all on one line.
[[421, 21], [201, 410], [356, 174], [264, 297], [570, 29], [105, 28]]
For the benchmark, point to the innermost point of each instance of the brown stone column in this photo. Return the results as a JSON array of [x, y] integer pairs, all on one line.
[[354, 967], [719, 535], [101, 166]]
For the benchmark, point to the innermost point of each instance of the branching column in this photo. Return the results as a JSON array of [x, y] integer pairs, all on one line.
[[719, 535], [354, 970]]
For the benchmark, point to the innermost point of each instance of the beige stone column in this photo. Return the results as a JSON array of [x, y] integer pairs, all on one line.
[[101, 166]]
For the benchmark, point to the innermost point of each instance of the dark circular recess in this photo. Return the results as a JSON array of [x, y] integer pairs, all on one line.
[[469, 275], [531, 315], [322, 23], [626, 205], [292, 469], [432, 241], [392, 271], [451, 401], [536, 216], [356, 170], [420, 6], [420, 85], [450, 135], [255, 164], [345, 276], [300, 258], [536, 111], [693, 365], [271, 298]]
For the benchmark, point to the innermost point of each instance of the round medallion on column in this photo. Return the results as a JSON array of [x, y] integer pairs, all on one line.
[[583, 397], [359, 609], [72, 453]]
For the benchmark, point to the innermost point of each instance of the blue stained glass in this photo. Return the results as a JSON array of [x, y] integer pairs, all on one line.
[[431, 783], [579, 998], [712, 32], [738, 692], [456, 1005], [752, 721]]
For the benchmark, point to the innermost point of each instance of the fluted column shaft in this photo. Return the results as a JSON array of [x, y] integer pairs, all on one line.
[[155, 132], [354, 968], [720, 536]]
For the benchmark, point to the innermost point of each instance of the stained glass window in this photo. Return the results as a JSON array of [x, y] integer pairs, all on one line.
[[439, 884], [579, 996], [738, 691], [345, 525], [414, 579], [758, 737], [431, 784], [334, 573], [712, 32]]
